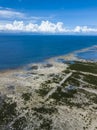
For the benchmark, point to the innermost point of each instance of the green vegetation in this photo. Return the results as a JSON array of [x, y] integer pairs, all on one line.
[[44, 89], [20, 124], [7, 112], [90, 79], [85, 67], [66, 71], [56, 79], [90, 96], [26, 96], [94, 99], [59, 96], [72, 82], [76, 75], [45, 110], [69, 94], [46, 124], [67, 98], [73, 104], [41, 114], [47, 82]]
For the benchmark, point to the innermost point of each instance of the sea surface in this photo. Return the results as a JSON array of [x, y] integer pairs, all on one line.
[[19, 50]]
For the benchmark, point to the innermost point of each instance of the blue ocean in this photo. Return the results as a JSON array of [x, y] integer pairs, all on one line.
[[19, 50]]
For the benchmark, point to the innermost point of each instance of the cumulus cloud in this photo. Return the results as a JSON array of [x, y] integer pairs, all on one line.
[[84, 29], [47, 26], [44, 27]]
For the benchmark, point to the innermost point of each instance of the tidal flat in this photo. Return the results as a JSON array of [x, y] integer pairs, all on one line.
[[58, 94]]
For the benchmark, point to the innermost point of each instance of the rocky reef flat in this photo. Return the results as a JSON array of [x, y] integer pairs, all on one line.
[[58, 94]]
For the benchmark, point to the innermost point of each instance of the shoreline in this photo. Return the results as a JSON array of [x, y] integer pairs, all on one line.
[[72, 56], [51, 89]]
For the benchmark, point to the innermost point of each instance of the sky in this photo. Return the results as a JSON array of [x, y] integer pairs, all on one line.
[[49, 16]]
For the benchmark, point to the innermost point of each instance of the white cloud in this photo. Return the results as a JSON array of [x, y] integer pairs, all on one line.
[[77, 29], [8, 13], [16, 26], [84, 29], [47, 26], [31, 27], [44, 27]]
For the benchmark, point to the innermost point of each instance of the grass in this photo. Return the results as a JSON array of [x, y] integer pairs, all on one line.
[[44, 89], [56, 79], [7, 112], [66, 71], [85, 67], [73, 82], [46, 124], [90, 96], [45, 110], [76, 75], [94, 99], [90, 79], [68, 98], [41, 114], [26, 96], [59, 96], [20, 124]]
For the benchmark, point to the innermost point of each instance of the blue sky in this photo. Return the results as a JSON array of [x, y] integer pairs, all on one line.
[[65, 16]]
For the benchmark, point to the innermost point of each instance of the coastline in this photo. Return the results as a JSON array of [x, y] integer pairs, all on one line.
[[38, 50], [72, 56], [35, 73], [52, 89]]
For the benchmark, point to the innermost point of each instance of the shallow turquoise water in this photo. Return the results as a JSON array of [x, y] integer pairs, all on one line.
[[91, 54]]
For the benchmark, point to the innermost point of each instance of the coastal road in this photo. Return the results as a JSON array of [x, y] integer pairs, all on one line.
[[59, 85]]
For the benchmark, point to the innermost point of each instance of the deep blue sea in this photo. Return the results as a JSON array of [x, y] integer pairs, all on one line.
[[18, 50]]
